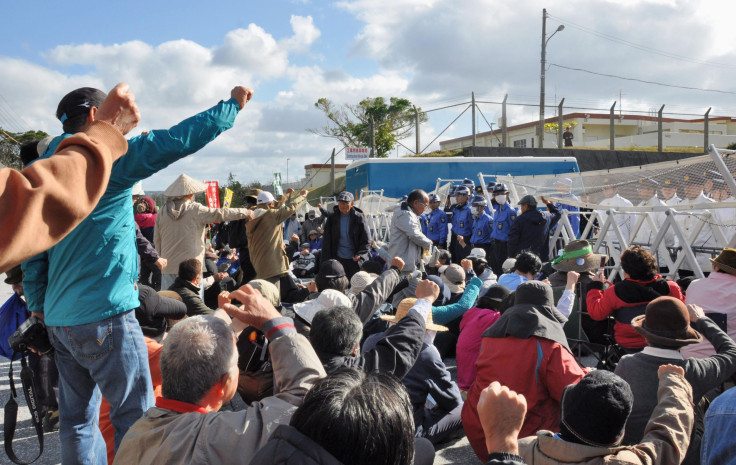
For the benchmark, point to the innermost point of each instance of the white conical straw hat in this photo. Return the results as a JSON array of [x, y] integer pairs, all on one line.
[[184, 185]]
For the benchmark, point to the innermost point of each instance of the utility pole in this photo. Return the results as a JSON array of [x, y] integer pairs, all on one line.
[[659, 128], [545, 39], [373, 140], [472, 98], [332, 171], [706, 130], [559, 124], [416, 130], [612, 134], [504, 132]]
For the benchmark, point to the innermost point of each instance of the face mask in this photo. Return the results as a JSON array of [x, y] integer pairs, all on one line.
[[501, 199], [453, 200], [475, 211]]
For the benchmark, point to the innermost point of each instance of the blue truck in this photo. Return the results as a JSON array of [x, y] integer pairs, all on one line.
[[397, 177]]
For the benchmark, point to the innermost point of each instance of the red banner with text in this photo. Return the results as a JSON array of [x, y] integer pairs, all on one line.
[[213, 194]]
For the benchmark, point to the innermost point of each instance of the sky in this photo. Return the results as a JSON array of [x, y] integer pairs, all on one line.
[[182, 57]]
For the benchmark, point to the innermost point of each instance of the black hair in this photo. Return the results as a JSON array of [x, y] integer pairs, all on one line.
[[339, 284], [361, 419], [479, 265], [73, 109], [28, 152], [527, 262], [507, 302], [190, 269], [336, 330], [639, 263], [370, 266]]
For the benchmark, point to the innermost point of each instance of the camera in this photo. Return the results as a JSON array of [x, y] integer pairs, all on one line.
[[31, 334]]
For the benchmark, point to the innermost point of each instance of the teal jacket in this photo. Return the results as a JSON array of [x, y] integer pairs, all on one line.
[[91, 274]]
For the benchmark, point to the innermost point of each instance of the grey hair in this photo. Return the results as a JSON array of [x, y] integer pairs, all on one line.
[[196, 354]]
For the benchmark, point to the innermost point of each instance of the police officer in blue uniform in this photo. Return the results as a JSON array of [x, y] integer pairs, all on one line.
[[482, 225], [437, 223], [462, 225], [504, 217]]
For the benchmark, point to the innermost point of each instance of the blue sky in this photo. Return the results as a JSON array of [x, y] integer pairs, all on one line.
[[182, 57]]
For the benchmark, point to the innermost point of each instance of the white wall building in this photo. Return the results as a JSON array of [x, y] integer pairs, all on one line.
[[593, 130]]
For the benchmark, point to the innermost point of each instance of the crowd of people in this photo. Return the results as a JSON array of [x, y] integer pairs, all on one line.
[[340, 347]]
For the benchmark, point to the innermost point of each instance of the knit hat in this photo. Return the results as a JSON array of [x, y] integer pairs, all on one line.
[[184, 185], [326, 299], [577, 256], [666, 322], [454, 278], [360, 281], [267, 290], [726, 261], [595, 410], [403, 310]]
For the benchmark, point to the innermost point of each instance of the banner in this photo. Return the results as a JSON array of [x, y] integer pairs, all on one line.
[[213, 194], [357, 153], [277, 190], [228, 198]]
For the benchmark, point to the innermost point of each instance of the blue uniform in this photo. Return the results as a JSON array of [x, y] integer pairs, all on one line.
[[424, 222], [462, 220], [482, 229], [574, 219], [437, 226], [502, 221]]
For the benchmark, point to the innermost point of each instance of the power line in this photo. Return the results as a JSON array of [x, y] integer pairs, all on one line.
[[643, 80], [643, 48]]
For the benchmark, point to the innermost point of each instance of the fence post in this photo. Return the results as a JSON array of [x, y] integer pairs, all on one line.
[[559, 124], [659, 128], [504, 128], [706, 130], [612, 134]]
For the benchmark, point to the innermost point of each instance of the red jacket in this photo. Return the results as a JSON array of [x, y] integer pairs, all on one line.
[[535, 367], [626, 300]]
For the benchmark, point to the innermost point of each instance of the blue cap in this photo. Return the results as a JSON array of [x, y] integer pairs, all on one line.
[[462, 190], [490, 186], [434, 198], [478, 201], [345, 196], [500, 187]]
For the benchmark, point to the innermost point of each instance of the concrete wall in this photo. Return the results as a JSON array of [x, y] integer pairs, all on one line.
[[588, 160]]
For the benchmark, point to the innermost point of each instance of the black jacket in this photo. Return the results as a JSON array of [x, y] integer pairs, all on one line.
[[190, 295], [394, 354], [357, 231], [288, 446], [531, 230]]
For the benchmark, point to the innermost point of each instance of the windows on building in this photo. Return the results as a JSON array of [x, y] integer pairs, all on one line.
[[520, 143]]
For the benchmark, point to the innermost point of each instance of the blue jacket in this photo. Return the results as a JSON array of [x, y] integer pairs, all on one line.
[[437, 227], [424, 222], [502, 221], [91, 274], [482, 229], [462, 220], [574, 219]]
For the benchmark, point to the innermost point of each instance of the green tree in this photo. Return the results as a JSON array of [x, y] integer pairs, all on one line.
[[351, 124], [10, 143]]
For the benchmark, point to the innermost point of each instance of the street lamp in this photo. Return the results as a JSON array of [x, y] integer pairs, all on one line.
[[545, 39]]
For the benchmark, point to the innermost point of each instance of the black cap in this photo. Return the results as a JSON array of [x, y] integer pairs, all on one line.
[[78, 102], [331, 269]]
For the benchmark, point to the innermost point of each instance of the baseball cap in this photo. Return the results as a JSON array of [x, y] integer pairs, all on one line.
[[434, 198], [265, 197], [477, 253], [345, 196], [326, 299], [331, 269], [564, 181], [78, 102]]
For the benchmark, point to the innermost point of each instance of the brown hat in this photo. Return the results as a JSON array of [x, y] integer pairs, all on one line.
[[725, 261], [403, 309], [14, 275], [577, 256], [184, 185], [666, 322]]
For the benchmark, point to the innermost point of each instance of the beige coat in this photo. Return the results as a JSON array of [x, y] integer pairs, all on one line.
[[165, 437], [178, 234], [665, 440], [266, 238]]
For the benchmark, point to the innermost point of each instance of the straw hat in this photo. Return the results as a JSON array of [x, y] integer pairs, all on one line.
[[666, 322], [184, 185], [577, 256], [726, 261], [403, 310]]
